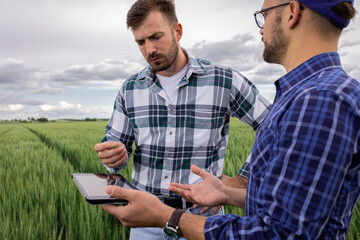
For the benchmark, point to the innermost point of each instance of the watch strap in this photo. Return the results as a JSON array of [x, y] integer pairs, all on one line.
[[175, 218]]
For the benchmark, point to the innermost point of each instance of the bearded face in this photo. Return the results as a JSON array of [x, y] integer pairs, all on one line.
[[160, 62], [275, 46]]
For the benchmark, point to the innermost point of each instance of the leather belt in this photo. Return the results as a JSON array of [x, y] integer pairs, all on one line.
[[177, 203]]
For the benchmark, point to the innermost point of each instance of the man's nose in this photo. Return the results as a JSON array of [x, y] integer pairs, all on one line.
[[150, 47]]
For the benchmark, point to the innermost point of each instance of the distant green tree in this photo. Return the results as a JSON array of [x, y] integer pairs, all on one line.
[[42, 120], [90, 119]]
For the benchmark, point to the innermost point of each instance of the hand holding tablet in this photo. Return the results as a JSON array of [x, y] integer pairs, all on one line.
[[92, 187]]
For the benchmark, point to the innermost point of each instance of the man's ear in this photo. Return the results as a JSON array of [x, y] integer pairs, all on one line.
[[295, 14], [178, 31]]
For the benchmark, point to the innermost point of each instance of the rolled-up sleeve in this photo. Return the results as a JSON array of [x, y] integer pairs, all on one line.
[[119, 128]]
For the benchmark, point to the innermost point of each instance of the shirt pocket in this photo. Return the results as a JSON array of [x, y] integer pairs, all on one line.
[[205, 126]]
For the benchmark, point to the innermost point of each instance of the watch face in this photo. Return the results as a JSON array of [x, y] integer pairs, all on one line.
[[171, 232]]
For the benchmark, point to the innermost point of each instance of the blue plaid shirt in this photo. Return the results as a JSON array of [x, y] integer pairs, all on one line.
[[191, 128], [304, 177]]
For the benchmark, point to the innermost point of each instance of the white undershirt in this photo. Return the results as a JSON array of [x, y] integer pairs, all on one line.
[[169, 84]]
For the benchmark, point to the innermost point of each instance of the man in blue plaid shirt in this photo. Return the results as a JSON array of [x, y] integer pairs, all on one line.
[[177, 110], [304, 171]]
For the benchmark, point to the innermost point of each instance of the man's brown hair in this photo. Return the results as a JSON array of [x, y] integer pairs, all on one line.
[[345, 10], [141, 9], [326, 28]]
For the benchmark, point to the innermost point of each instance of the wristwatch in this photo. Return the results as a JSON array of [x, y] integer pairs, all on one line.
[[171, 228]]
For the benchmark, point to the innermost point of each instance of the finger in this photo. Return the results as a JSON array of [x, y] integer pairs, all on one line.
[[114, 162], [102, 146], [204, 210], [99, 147], [179, 185], [110, 160], [121, 152], [177, 190], [116, 144], [109, 208], [216, 209], [108, 145], [108, 153], [186, 194], [198, 171]]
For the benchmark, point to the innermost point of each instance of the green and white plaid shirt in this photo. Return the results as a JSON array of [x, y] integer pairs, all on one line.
[[245, 168], [192, 128]]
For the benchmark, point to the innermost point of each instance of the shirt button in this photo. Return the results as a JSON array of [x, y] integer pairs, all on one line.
[[171, 110], [166, 177], [169, 154], [170, 133]]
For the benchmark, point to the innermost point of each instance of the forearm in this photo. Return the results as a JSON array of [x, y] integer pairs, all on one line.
[[235, 196], [192, 226], [235, 190]]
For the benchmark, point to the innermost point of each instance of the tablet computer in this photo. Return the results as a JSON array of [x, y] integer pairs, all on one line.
[[92, 187]]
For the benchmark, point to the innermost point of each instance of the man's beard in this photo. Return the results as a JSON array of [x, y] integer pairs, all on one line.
[[274, 52], [168, 59]]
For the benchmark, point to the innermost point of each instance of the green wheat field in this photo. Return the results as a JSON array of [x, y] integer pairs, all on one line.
[[38, 199]]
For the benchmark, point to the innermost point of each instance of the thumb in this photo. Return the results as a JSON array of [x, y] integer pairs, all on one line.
[[198, 171], [118, 192]]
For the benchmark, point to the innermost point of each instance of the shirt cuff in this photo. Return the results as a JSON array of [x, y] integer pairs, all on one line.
[[244, 170], [115, 170]]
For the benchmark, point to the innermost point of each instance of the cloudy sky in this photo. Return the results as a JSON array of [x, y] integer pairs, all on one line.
[[67, 58]]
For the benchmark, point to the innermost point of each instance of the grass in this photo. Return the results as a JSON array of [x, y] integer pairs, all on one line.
[[38, 199]]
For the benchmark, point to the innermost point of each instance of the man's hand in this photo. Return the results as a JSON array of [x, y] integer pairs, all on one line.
[[112, 154], [143, 209], [146, 210], [237, 181], [207, 193], [212, 191]]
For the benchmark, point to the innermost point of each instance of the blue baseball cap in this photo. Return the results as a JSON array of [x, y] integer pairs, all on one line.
[[324, 7]]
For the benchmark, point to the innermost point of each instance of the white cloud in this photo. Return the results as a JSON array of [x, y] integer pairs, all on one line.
[[14, 97], [243, 53], [62, 110], [15, 107], [16, 76], [65, 110], [63, 106], [63, 55], [63, 33], [105, 85], [14, 72], [107, 70]]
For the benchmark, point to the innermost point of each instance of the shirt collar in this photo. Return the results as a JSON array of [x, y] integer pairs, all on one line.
[[195, 67], [305, 71]]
